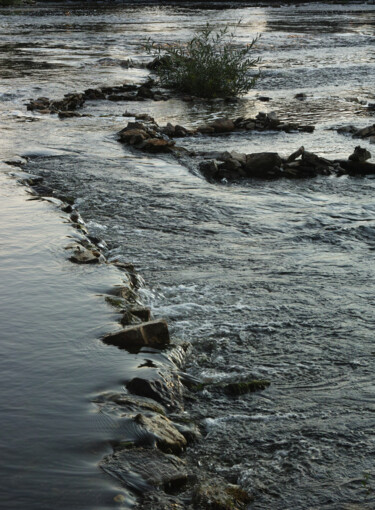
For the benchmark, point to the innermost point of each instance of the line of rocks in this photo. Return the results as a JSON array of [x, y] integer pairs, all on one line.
[[146, 135], [71, 102], [366, 133], [149, 459]]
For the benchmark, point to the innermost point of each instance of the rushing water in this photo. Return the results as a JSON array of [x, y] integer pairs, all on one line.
[[272, 280]]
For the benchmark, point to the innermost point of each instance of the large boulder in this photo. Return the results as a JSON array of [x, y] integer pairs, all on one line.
[[266, 165], [152, 334]]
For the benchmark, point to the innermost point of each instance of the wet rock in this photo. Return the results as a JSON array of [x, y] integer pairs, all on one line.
[[83, 255], [69, 114], [142, 313], [156, 145], [145, 92], [360, 154], [357, 167], [242, 387], [153, 334], [157, 62], [164, 387], [264, 98], [263, 164], [160, 501], [209, 169], [127, 403], [217, 495], [347, 130], [144, 469], [133, 136], [121, 97], [365, 132], [295, 155], [301, 96], [167, 437], [222, 125], [206, 130], [93, 94]]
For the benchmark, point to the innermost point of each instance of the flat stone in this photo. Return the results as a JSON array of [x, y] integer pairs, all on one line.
[[157, 145], [167, 437], [146, 469], [164, 387], [152, 334]]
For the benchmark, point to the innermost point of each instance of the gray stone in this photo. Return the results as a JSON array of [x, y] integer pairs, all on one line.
[[146, 469], [360, 154], [167, 437], [153, 334], [164, 387], [263, 164]]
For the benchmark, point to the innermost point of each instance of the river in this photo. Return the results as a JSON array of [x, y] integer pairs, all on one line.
[[271, 280]]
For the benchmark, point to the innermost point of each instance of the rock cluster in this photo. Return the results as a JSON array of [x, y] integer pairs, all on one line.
[[366, 133], [270, 165], [66, 107], [262, 122]]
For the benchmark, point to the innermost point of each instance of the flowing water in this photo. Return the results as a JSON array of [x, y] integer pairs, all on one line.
[[272, 280]]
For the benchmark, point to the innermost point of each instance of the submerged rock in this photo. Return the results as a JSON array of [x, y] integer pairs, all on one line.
[[82, 255], [152, 334], [242, 387], [217, 495], [144, 469]]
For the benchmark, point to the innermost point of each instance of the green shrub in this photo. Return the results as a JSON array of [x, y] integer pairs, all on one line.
[[209, 65]]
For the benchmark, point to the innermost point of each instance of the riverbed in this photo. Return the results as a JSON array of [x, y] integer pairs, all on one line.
[[269, 280]]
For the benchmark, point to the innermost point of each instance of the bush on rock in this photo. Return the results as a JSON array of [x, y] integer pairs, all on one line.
[[210, 65]]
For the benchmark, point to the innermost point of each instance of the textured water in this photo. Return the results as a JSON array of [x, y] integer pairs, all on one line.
[[271, 280]]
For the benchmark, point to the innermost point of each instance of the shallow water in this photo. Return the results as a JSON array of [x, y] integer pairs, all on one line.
[[270, 280]]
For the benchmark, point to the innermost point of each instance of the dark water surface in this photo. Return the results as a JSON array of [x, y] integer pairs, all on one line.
[[271, 280]]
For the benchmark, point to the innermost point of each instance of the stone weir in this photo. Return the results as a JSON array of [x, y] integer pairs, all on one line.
[[151, 459], [222, 166]]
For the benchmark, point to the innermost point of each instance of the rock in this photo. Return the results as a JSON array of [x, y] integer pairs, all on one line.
[[301, 96], [168, 130], [125, 403], [180, 131], [93, 94], [222, 125], [239, 156], [157, 62], [264, 98], [157, 145], [250, 126], [206, 130], [231, 165], [153, 334], [142, 313], [167, 437], [242, 387], [347, 130], [357, 167], [365, 132], [68, 114], [296, 154], [145, 92], [360, 154], [83, 255], [165, 388], [209, 169], [133, 136], [217, 495], [263, 164], [145, 469]]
